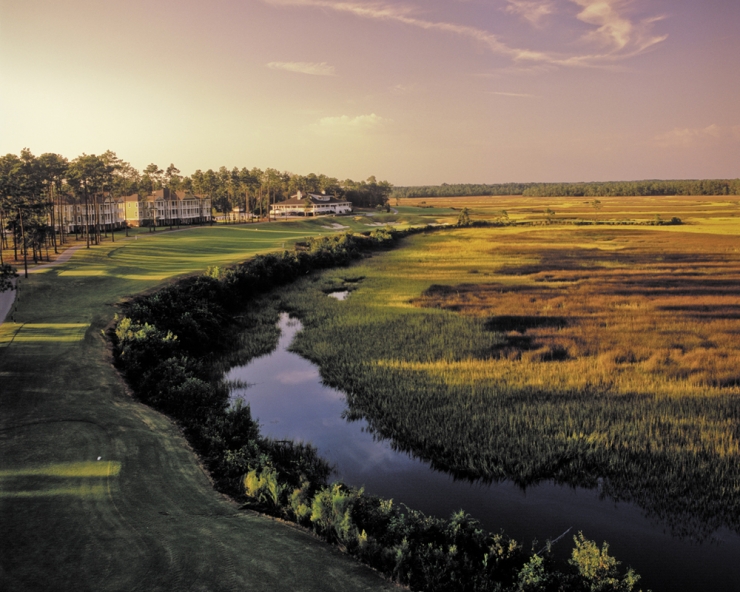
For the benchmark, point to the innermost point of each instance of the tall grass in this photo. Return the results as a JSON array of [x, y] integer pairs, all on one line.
[[167, 346], [583, 356]]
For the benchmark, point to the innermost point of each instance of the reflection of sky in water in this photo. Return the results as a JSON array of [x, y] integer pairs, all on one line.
[[297, 376], [286, 395]]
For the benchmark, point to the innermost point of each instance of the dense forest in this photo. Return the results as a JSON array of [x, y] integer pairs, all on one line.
[[30, 186], [602, 189]]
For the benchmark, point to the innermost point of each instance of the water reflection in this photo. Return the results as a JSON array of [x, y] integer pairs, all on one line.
[[286, 394]]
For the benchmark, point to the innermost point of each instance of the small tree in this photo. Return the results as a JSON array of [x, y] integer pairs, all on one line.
[[464, 218]]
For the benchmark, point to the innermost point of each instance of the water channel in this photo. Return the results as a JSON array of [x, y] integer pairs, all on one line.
[[286, 394]]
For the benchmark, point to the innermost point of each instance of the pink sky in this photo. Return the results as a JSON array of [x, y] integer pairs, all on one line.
[[415, 91]]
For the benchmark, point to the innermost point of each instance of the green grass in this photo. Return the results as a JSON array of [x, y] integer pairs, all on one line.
[[153, 521], [144, 516]]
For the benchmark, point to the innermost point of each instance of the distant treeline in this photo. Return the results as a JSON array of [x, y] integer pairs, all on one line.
[[626, 188], [30, 185], [605, 189], [460, 189]]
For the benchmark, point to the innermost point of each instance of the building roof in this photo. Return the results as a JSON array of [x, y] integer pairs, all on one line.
[[165, 194], [320, 199], [106, 197]]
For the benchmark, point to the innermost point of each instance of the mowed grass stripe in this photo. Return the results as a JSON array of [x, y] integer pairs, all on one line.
[[156, 524], [57, 332], [73, 469], [81, 479]]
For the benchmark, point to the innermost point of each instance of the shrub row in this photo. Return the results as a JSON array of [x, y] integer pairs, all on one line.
[[433, 554], [168, 345]]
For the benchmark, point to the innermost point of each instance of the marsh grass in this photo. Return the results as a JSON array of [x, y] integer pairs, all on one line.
[[582, 355], [655, 316]]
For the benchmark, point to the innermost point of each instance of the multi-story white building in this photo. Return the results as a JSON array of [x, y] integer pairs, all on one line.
[[311, 204], [107, 211], [165, 207]]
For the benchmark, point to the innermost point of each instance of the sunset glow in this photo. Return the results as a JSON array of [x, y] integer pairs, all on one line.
[[415, 92]]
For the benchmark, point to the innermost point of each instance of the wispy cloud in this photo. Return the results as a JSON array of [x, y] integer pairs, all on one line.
[[511, 94], [614, 29], [404, 14], [312, 68], [691, 137], [623, 37], [530, 10], [402, 89], [344, 124]]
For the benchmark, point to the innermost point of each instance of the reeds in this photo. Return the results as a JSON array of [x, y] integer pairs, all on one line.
[[616, 358]]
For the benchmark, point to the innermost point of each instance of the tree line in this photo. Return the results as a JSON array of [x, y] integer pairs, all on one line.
[[593, 189], [460, 190], [636, 188], [254, 190], [31, 186]]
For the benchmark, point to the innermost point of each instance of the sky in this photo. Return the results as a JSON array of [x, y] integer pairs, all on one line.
[[410, 91]]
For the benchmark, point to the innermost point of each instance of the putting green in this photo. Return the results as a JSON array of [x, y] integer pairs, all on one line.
[[144, 516]]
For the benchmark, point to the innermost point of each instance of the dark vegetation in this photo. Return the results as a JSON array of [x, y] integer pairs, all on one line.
[[7, 274], [605, 189], [167, 344], [460, 189], [636, 188], [171, 347]]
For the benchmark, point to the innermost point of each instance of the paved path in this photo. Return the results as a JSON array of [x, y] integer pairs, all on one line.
[[64, 257], [6, 302]]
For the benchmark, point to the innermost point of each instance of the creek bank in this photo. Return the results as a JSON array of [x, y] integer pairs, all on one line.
[[168, 346], [287, 396]]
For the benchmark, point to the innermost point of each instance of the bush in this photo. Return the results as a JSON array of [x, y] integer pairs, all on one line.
[[597, 571], [263, 486], [331, 514]]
